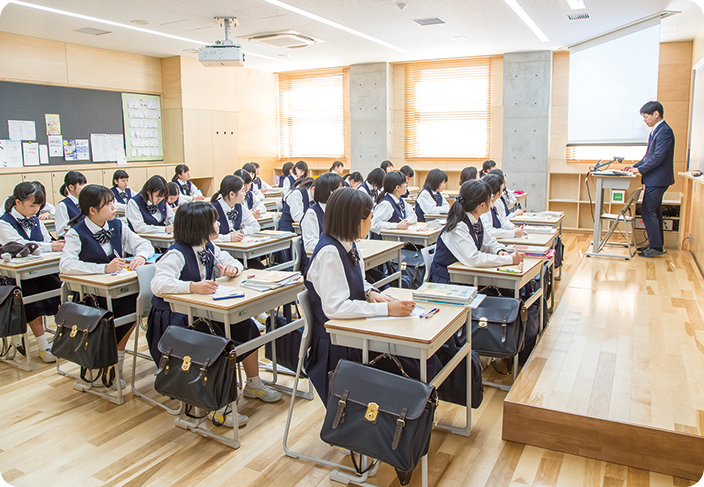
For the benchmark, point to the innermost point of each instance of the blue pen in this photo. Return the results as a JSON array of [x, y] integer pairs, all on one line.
[[228, 296], [429, 313]]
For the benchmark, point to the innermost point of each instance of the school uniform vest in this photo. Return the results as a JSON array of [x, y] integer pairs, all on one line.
[[347, 185], [495, 222], [148, 218], [91, 251], [405, 195], [291, 180], [120, 199], [443, 257], [286, 222], [370, 191], [398, 214], [505, 205], [73, 210], [186, 188], [190, 271], [35, 233], [225, 222], [320, 215], [257, 182], [438, 202], [249, 198]]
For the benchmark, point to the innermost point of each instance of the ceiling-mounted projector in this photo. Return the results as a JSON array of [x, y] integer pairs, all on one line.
[[223, 53]]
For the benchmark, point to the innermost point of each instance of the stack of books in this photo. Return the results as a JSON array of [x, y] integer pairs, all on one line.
[[432, 292], [274, 234], [535, 251], [548, 230], [272, 280]]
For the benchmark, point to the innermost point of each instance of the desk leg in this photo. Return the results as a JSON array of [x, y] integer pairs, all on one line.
[[400, 280], [559, 277]]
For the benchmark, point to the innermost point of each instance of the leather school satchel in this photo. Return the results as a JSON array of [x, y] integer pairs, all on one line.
[[12, 318], [499, 327], [85, 335], [197, 368], [384, 416]]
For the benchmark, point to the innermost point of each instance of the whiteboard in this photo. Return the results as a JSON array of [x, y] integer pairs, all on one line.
[[696, 128]]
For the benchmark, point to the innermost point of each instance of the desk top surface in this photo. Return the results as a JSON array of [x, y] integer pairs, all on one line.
[[24, 262], [250, 295], [539, 218], [102, 279], [157, 236], [269, 215], [371, 248], [415, 330], [415, 230], [528, 264], [538, 239], [252, 245]]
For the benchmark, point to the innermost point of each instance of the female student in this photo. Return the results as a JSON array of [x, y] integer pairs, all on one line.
[[296, 203], [97, 244], [253, 188], [508, 199], [391, 211], [188, 190], [174, 195], [312, 221], [45, 212], [464, 239], [430, 198], [494, 221], [353, 180], [287, 179], [387, 166], [375, 180], [487, 166], [189, 266], [122, 194], [409, 173], [235, 219], [147, 211], [468, 174], [20, 224], [254, 204], [337, 167], [257, 181], [337, 289], [67, 208]]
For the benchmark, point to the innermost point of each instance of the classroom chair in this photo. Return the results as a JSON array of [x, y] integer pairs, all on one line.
[[145, 274], [427, 253], [627, 220]]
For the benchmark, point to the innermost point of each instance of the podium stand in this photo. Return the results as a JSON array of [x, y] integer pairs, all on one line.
[[606, 181]]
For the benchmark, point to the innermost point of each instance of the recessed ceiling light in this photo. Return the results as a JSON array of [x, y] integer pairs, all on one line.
[[140, 22], [527, 20], [92, 31], [458, 38], [429, 21], [578, 16], [576, 4]]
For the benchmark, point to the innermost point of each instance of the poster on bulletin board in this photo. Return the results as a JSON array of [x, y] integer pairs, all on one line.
[[142, 117]]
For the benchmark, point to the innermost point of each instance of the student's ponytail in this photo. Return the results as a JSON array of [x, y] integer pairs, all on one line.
[[63, 191], [472, 194], [391, 181], [229, 184], [24, 191], [215, 197], [487, 166], [180, 169], [72, 178], [10, 203]]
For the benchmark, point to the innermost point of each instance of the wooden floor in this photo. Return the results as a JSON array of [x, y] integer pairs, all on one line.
[[53, 435]]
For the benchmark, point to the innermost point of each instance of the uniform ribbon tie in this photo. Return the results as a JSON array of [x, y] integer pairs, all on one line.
[[123, 195], [204, 257], [27, 223], [152, 209], [103, 236], [232, 214], [354, 255]]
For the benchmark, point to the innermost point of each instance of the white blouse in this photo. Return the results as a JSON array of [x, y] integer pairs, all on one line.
[[9, 234], [428, 205], [249, 224], [459, 241], [310, 230], [194, 192], [134, 216], [507, 228], [61, 219], [295, 204], [384, 211]]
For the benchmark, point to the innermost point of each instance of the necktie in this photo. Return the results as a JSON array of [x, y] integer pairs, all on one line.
[[232, 214], [152, 209], [123, 195], [27, 223], [204, 257], [478, 229], [401, 209], [354, 256], [103, 236]]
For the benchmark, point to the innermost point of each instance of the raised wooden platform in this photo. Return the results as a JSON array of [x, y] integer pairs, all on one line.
[[619, 374]]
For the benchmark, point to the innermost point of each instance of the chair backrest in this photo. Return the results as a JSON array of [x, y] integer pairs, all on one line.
[[297, 253], [145, 274], [307, 316], [631, 200], [427, 253]]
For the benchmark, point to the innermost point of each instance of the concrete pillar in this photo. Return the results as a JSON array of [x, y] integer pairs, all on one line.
[[371, 115], [527, 78]]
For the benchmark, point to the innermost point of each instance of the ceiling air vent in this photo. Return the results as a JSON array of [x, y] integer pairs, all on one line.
[[92, 31], [577, 16], [286, 38], [429, 21]]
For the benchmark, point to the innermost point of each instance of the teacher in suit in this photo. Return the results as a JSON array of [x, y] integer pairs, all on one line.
[[657, 170]]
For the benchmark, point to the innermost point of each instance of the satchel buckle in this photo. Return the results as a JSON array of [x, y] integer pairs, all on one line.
[[483, 322], [74, 330], [372, 412], [186, 365]]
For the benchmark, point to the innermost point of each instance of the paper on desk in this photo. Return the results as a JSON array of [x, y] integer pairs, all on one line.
[[417, 311], [477, 301], [122, 272], [250, 239], [224, 291]]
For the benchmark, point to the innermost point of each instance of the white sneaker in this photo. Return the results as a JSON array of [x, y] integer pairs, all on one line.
[[218, 419], [47, 356], [265, 393]]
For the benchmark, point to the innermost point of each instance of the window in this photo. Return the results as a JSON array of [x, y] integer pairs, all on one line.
[[590, 153], [448, 109], [312, 114]]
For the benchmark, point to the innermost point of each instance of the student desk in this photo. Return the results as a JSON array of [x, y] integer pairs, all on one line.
[[413, 191], [159, 240], [231, 311], [50, 225], [451, 194], [538, 239], [272, 204], [431, 217], [110, 287], [30, 268], [251, 250], [549, 219], [297, 227], [487, 276], [272, 192], [266, 221], [521, 198], [419, 234], [414, 338]]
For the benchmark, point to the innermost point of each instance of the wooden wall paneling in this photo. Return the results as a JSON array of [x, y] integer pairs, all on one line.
[[34, 60], [224, 133], [171, 83], [46, 180], [167, 172], [198, 141], [138, 175], [207, 88], [8, 183], [173, 134]]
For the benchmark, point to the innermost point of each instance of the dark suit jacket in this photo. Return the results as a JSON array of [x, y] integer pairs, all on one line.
[[657, 167]]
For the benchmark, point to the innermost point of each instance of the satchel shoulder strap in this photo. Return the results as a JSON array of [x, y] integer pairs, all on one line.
[[389, 356]]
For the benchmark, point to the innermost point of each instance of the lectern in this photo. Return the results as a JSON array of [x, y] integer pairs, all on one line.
[[606, 180]]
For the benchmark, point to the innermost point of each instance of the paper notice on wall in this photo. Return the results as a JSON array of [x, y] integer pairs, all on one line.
[[121, 157], [56, 146], [53, 124], [22, 130], [30, 151], [70, 150], [10, 153], [117, 146], [43, 154], [82, 150], [100, 147]]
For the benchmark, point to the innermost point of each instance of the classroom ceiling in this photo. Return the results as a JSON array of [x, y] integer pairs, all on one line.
[[471, 28]]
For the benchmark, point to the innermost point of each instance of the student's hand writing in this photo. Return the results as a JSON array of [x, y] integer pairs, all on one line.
[[204, 287], [57, 245], [400, 308], [519, 232], [236, 237], [518, 212], [375, 297], [115, 265], [228, 270], [518, 257], [136, 262], [43, 216], [169, 229], [402, 225], [256, 213]]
